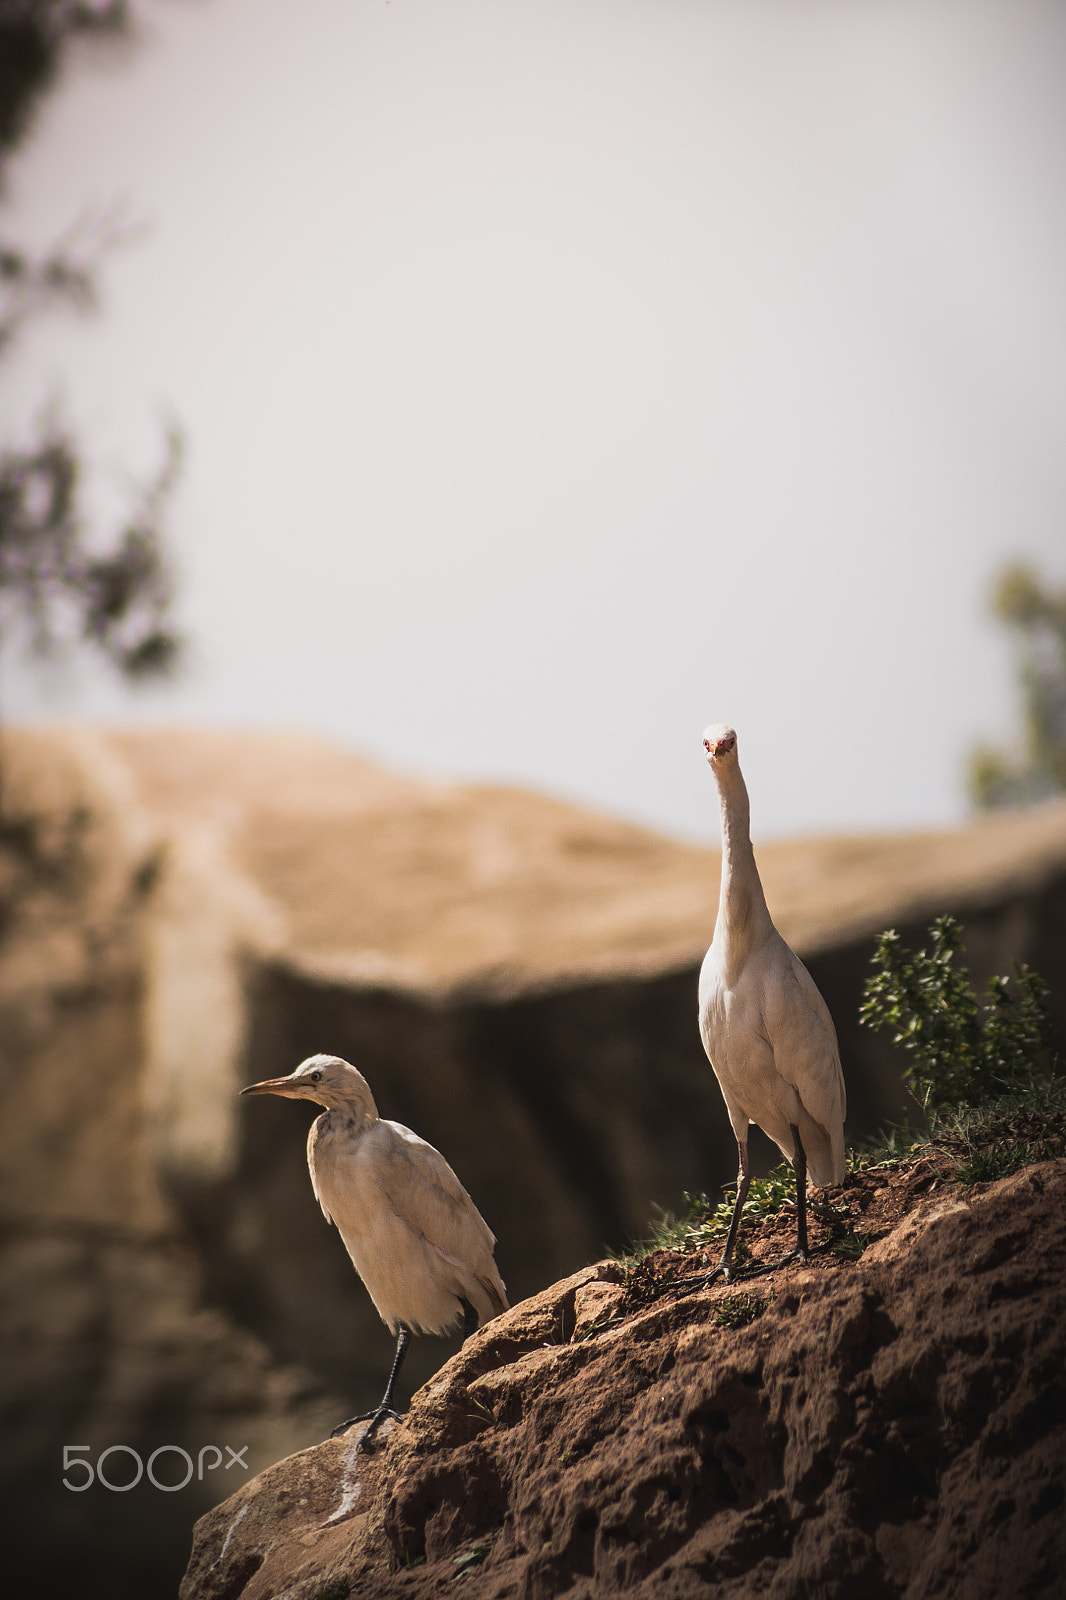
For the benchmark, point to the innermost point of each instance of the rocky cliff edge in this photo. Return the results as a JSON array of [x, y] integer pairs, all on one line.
[[892, 1425]]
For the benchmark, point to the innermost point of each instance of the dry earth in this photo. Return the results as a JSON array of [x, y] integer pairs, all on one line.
[[889, 1424]]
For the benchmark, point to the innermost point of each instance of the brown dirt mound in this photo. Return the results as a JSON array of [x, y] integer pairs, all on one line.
[[891, 1426]]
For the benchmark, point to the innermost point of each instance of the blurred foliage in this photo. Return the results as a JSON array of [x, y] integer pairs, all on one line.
[[57, 587], [61, 583], [35, 36], [962, 1051], [1036, 614]]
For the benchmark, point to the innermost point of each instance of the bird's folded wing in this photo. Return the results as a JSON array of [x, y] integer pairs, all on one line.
[[422, 1188], [805, 1045], [424, 1191]]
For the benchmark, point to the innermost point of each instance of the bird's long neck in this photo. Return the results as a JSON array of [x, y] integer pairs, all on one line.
[[350, 1116], [743, 919]]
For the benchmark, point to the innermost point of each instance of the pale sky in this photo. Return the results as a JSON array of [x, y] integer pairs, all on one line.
[[559, 376]]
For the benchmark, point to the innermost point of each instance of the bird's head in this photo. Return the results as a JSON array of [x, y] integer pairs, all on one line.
[[327, 1080], [720, 743]]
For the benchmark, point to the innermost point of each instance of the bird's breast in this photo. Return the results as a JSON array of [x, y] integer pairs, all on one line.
[[732, 1020], [344, 1176]]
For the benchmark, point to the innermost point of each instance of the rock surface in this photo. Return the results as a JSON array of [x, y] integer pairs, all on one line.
[[890, 1426]]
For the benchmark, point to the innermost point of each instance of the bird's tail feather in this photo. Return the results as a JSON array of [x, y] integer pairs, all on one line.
[[824, 1149], [495, 1294]]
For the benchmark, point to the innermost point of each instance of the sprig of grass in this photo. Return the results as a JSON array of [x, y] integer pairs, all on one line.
[[985, 1166], [887, 1149], [996, 1138], [608, 1320], [704, 1223], [985, 1141]]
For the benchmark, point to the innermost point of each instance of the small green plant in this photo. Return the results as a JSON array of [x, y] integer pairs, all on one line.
[[885, 1150], [768, 1195], [849, 1246], [1036, 615], [737, 1310], [961, 1051], [471, 1557]]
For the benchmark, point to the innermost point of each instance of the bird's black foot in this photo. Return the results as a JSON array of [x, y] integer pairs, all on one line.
[[703, 1280], [785, 1261], [375, 1419]]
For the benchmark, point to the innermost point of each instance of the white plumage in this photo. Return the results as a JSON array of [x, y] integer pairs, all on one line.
[[415, 1237], [765, 1027]]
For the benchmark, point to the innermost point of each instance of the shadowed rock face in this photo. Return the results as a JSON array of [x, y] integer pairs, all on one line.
[[181, 913], [889, 1426]]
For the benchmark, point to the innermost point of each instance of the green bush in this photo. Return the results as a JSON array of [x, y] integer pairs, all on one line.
[[962, 1051]]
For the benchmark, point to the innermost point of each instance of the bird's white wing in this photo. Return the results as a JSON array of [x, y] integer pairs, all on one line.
[[805, 1043], [807, 1056], [422, 1188], [418, 1180]]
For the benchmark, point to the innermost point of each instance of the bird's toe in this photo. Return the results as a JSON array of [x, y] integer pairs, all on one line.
[[375, 1418], [342, 1427], [702, 1280]]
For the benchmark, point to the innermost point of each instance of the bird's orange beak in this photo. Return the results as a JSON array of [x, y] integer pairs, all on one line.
[[286, 1086]]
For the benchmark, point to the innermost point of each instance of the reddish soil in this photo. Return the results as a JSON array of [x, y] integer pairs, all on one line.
[[889, 1424]]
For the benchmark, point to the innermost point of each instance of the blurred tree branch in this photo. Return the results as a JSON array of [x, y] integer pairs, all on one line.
[[1036, 614], [58, 589], [65, 274], [34, 38], [61, 584]]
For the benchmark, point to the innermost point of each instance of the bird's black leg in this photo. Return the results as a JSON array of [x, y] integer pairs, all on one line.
[[725, 1266], [799, 1167], [800, 1164], [385, 1408], [403, 1339], [470, 1317]]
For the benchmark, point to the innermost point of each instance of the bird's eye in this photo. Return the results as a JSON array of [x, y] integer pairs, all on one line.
[[316, 1077]]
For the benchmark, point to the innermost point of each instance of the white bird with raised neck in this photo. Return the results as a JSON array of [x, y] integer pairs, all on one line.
[[764, 1025], [417, 1240]]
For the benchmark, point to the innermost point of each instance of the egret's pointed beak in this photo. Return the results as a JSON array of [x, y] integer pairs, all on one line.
[[293, 1089]]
